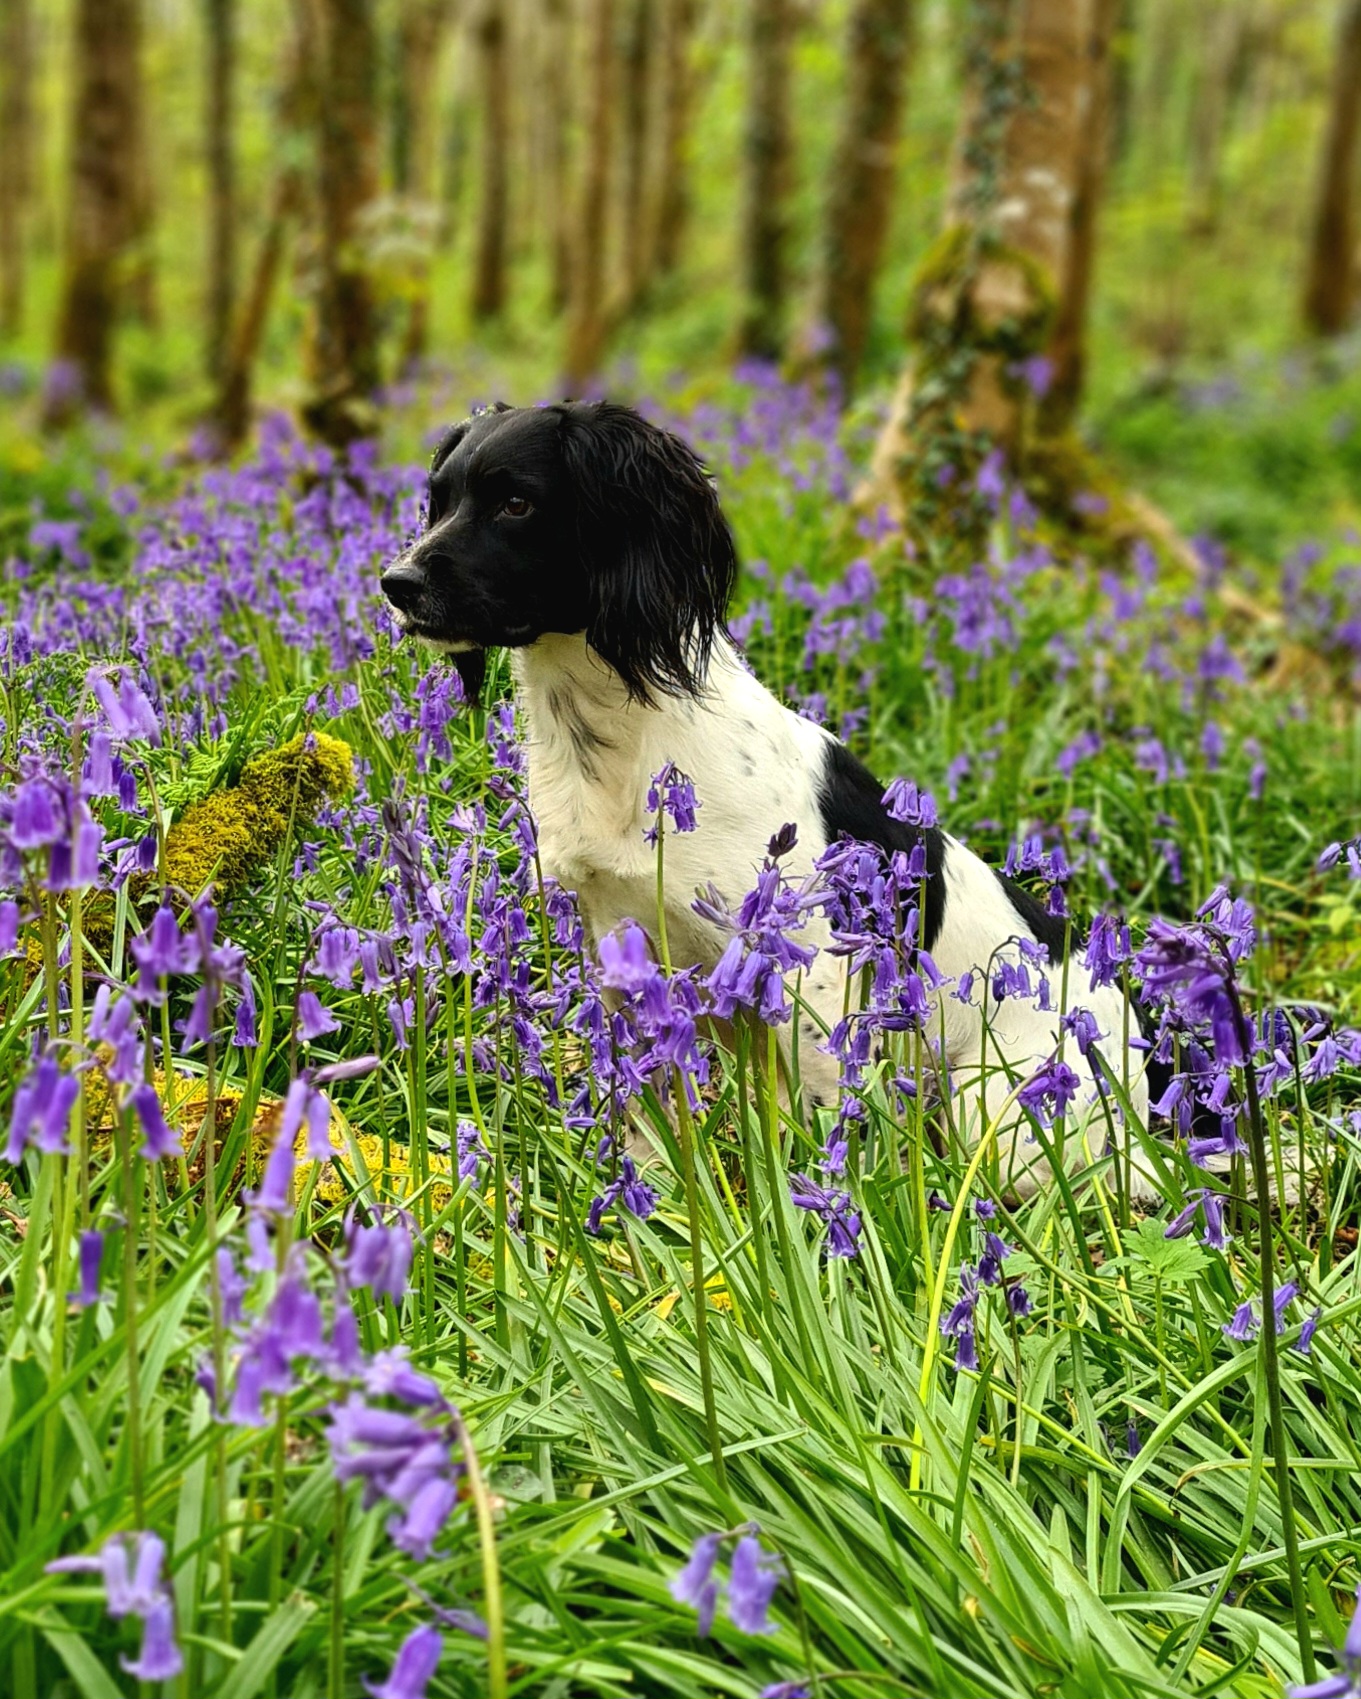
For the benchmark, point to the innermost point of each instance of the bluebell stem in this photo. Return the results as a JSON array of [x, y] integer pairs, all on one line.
[[1346, 1684]]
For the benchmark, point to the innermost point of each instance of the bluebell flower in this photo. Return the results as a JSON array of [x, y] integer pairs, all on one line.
[[1308, 1328], [158, 1142], [41, 1111], [417, 1659], [904, 801], [673, 792], [379, 1255], [1244, 1324], [91, 1258], [752, 1581], [695, 1584], [841, 1221], [159, 1658]]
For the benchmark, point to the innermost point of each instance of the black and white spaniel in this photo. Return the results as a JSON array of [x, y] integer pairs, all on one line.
[[591, 544]]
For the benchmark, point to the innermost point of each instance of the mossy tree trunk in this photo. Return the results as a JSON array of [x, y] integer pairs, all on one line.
[[586, 324], [102, 215], [344, 343], [860, 197], [1067, 351], [1330, 273], [986, 297], [489, 270], [767, 149], [17, 153]]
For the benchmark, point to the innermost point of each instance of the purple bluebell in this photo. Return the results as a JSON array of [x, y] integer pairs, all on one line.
[[41, 1111], [130, 1566], [379, 1254], [903, 800], [1049, 1091], [91, 1258], [1308, 1328], [695, 1584], [1243, 1325], [840, 1219], [752, 1580], [416, 1662], [159, 1658], [158, 1141], [672, 792], [313, 1019]]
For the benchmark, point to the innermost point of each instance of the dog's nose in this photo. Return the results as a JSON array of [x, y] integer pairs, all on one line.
[[402, 584]]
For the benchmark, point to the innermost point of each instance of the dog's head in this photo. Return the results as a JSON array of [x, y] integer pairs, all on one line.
[[580, 517]]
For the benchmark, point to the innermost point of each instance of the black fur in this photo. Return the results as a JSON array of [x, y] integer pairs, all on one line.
[[851, 804]]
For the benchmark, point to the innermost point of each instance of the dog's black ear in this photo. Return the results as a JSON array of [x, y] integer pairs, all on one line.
[[447, 444], [655, 549]]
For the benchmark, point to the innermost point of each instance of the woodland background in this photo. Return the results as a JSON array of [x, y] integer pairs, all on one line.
[[211, 208]]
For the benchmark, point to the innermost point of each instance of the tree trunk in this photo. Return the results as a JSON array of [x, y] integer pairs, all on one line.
[[1330, 276], [296, 117], [673, 202], [234, 390], [489, 280], [767, 150], [220, 104], [344, 343], [586, 324], [861, 197], [16, 150], [421, 27], [1223, 29], [637, 134], [555, 71], [1067, 352], [102, 214], [986, 296]]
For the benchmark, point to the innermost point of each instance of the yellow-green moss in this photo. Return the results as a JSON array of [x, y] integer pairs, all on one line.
[[231, 834]]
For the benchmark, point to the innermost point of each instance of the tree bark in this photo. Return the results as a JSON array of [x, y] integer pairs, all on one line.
[[586, 325], [555, 72], [1330, 274], [673, 202], [220, 111], [861, 189], [344, 343], [489, 277], [421, 28], [102, 215], [987, 296], [637, 134], [16, 151], [1067, 352], [767, 152]]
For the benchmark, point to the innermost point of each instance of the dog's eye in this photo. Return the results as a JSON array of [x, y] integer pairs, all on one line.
[[517, 507]]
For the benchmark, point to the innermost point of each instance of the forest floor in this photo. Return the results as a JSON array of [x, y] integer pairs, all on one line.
[[1078, 1501]]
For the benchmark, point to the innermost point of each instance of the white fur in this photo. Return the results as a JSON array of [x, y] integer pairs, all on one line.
[[755, 766]]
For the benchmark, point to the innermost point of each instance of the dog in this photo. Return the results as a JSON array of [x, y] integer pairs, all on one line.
[[592, 545]]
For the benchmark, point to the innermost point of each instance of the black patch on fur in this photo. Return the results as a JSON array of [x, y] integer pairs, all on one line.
[[1049, 929], [851, 805], [471, 667]]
